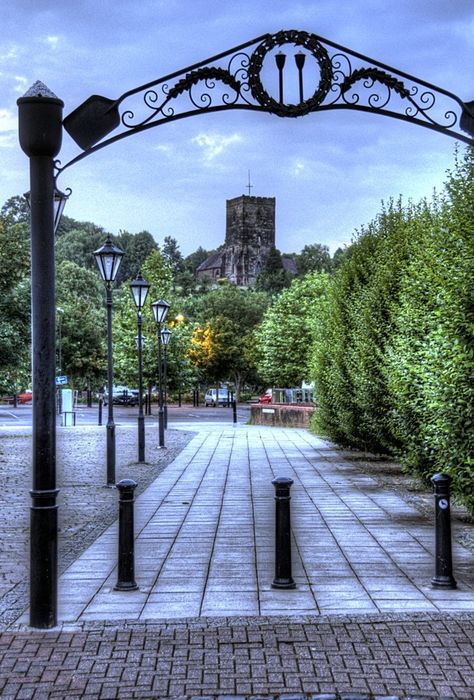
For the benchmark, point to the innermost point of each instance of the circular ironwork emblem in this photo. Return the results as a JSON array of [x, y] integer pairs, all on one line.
[[307, 41]]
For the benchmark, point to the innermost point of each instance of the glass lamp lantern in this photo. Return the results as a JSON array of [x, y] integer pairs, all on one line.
[[108, 259], [160, 309], [139, 289]]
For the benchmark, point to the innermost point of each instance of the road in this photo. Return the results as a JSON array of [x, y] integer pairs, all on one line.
[[11, 417]]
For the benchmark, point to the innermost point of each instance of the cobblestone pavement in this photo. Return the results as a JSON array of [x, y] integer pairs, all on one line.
[[424, 655]]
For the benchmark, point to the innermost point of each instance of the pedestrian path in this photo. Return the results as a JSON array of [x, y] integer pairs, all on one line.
[[205, 537]]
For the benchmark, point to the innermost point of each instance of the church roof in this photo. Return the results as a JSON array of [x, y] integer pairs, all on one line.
[[210, 263], [289, 264]]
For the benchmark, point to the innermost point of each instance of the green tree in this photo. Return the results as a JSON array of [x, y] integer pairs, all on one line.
[[157, 272], [15, 211], [430, 362], [172, 254], [354, 331], [314, 258], [78, 245], [137, 247], [273, 277], [285, 336], [81, 325], [14, 306], [226, 317]]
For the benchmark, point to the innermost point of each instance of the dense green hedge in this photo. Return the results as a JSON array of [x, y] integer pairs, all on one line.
[[393, 354]]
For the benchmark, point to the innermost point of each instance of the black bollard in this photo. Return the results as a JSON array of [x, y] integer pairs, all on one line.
[[283, 577], [100, 411], [126, 545], [443, 577], [234, 411]]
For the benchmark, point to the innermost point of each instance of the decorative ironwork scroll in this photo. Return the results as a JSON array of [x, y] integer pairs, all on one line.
[[254, 76]]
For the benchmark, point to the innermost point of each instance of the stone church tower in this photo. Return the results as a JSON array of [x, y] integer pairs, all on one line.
[[250, 235]]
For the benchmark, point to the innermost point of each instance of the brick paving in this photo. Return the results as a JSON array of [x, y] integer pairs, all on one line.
[[427, 655]]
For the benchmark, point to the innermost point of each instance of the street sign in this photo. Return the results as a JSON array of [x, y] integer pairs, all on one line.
[[61, 380]]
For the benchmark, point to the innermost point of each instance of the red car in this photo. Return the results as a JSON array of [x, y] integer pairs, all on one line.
[[266, 397], [25, 396]]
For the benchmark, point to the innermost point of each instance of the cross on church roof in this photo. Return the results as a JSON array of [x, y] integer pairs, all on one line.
[[249, 186]]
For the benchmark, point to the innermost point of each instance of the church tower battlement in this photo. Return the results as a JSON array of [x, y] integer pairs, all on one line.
[[250, 235]]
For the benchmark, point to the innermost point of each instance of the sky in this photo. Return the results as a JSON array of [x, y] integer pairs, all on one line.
[[329, 171]]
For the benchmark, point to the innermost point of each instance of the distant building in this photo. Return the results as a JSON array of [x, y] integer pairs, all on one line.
[[250, 235]]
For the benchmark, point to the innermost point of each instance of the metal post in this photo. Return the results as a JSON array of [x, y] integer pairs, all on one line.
[[141, 418], [100, 410], [40, 131], [283, 577], [126, 546], [234, 411], [165, 368], [443, 577], [161, 421], [110, 402]]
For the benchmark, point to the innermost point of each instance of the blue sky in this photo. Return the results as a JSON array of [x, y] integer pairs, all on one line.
[[329, 171]]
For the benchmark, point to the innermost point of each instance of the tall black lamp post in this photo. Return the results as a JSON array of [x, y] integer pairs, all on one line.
[[165, 339], [160, 309], [139, 288], [108, 259], [40, 131]]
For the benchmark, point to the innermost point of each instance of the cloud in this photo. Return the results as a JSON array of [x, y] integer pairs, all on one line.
[[214, 144], [8, 120], [51, 41]]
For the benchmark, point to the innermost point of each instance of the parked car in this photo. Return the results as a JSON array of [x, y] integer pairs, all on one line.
[[266, 397], [123, 395], [210, 397], [25, 396]]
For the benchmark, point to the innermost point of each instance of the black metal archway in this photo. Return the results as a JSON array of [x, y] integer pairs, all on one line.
[[235, 79], [325, 76]]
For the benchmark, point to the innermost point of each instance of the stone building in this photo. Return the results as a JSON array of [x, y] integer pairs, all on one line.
[[250, 235]]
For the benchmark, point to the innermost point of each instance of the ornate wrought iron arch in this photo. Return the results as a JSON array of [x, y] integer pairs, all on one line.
[[235, 79]]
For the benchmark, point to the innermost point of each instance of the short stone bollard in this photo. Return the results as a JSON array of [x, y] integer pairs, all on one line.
[[126, 545], [443, 577], [283, 577]]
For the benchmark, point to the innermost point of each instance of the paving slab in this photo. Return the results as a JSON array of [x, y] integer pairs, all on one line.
[[205, 531]]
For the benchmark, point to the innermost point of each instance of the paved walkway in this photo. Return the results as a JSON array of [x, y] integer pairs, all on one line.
[[205, 539], [205, 549]]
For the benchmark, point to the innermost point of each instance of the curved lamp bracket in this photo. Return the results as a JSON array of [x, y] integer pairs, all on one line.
[[313, 75]]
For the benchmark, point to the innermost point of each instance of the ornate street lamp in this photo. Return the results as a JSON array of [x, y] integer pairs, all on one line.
[[160, 309], [108, 259], [139, 289], [165, 339]]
